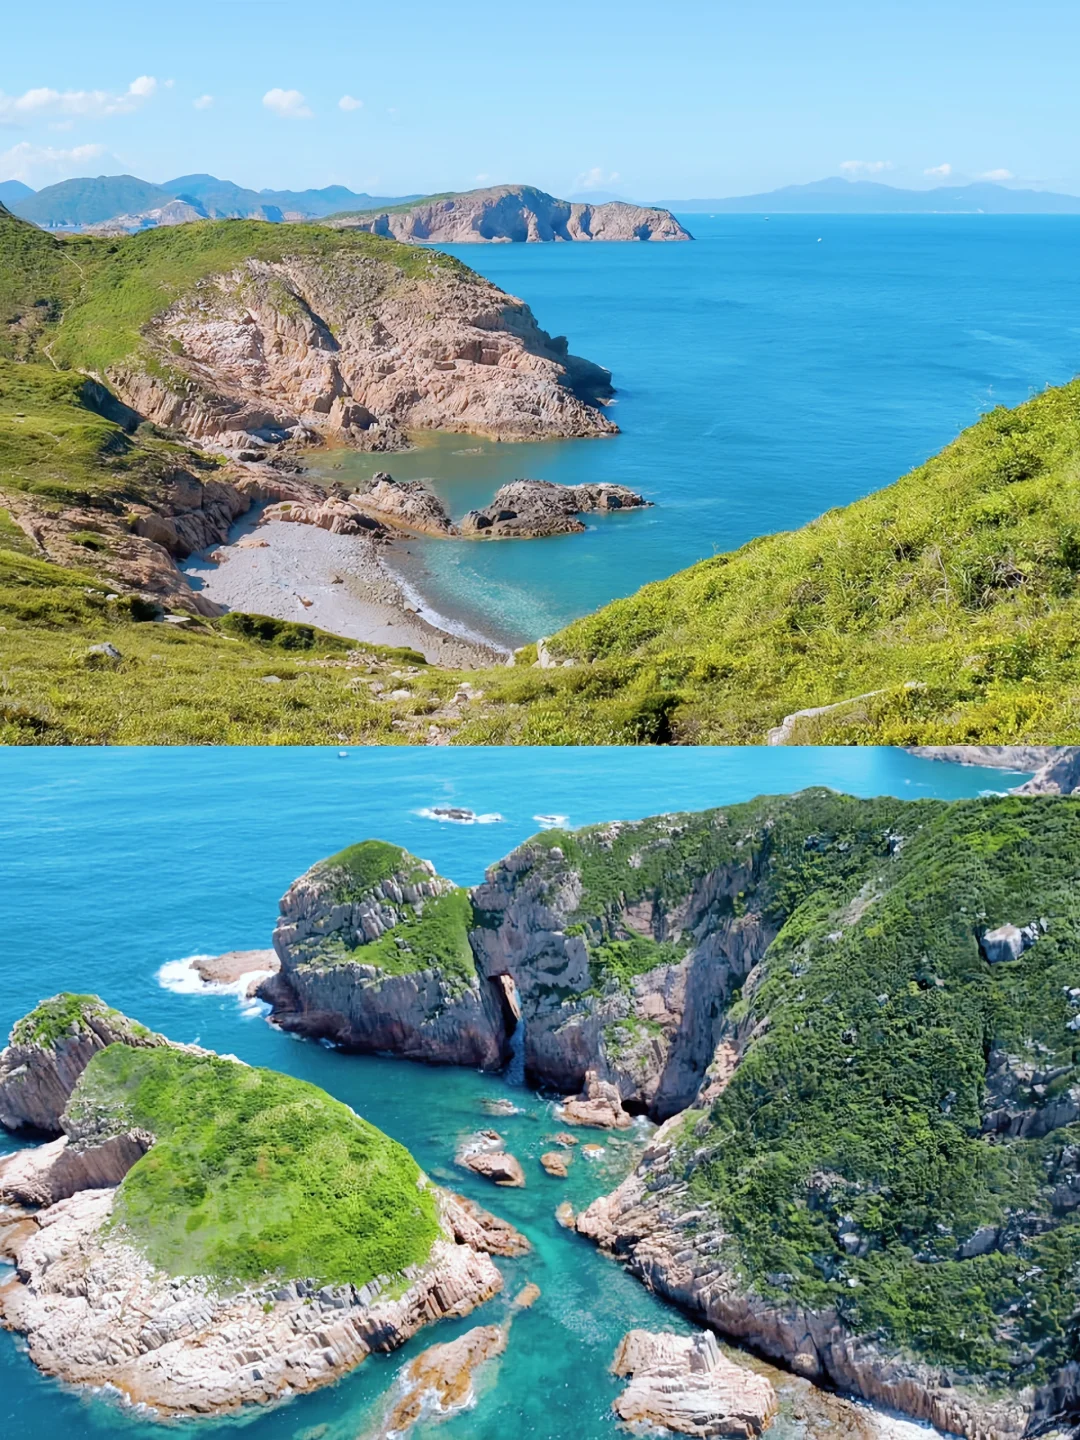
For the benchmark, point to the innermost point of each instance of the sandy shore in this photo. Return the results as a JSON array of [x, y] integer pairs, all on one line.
[[350, 590]]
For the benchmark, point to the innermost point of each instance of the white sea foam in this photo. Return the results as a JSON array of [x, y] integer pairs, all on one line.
[[426, 611], [181, 978], [551, 822], [462, 817]]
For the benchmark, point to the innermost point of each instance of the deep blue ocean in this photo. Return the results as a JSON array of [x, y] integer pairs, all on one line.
[[769, 370], [117, 862]]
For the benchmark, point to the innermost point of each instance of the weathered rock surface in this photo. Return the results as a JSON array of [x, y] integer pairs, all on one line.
[[408, 506], [326, 989], [340, 517], [528, 509], [483, 1155], [40, 1066], [557, 1163], [346, 346], [95, 1312], [685, 1383], [515, 213], [52, 1172], [599, 1104], [1008, 942], [440, 1380], [235, 965]]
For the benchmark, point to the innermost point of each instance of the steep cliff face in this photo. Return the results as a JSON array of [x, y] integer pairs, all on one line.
[[882, 1190], [375, 955], [860, 1018], [49, 1049], [343, 346], [515, 213]]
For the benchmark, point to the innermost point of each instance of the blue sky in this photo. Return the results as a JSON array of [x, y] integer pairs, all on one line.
[[651, 100]]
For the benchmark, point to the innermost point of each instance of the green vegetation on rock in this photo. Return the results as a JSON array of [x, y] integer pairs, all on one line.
[[66, 1014], [434, 938], [369, 863], [864, 1140], [253, 1173]]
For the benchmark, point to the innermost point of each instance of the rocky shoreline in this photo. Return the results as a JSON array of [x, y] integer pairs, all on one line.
[[627, 965]]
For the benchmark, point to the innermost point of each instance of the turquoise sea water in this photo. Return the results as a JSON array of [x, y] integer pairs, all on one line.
[[766, 372], [114, 863]]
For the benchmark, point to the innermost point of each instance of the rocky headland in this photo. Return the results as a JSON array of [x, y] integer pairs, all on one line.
[[140, 1279], [529, 509], [796, 987], [508, 213]]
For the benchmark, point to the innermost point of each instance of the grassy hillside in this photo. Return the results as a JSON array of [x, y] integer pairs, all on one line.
[[254, 1172], [955, 592], [853, 1155]]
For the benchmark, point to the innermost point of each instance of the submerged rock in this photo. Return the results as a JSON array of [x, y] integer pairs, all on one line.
[[685, 1383], [440, 1380], [557, 1163], [483, 1155]]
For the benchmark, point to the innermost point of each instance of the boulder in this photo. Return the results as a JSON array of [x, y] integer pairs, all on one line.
[[599, 1104], [409, 506], [1008, 942], [685, 1383], [440, 1379], [556, 1162], [528, 509]]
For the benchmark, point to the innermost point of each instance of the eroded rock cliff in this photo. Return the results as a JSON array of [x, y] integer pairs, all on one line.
[[514, 213]]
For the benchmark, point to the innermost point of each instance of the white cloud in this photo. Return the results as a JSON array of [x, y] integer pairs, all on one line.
[[350, 102], [482, 178], [33, 104], [939, 172], [204, 102], [595, 179], [30, 163], [997, 175], [289, 104], [853, 169]]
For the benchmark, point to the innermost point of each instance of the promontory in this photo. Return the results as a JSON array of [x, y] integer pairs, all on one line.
[[202, 1234], [856, 1021]]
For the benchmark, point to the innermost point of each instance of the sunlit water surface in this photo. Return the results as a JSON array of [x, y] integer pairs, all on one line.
[[766, 372]]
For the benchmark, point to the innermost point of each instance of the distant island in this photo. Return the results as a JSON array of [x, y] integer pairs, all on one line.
[[837, 196], [513, 212]]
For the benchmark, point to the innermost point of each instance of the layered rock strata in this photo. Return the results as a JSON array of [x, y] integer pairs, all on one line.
[[686, 1384], [346, 346], [95, 1312], [336, 984], [49, 1050]]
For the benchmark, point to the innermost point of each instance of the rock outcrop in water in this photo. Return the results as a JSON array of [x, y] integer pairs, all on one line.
[[514, 213], [92, 1293], [685, 1383], [375, 955], [529, 509], [797, 987]]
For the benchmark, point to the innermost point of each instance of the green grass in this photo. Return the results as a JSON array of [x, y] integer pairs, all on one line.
[[436, 938], [961, 580], [255, 1174], [66, 1015], [621, 960], [367, 864]]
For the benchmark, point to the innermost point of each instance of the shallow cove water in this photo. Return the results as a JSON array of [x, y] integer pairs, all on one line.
[[114, 863], [764, 373]]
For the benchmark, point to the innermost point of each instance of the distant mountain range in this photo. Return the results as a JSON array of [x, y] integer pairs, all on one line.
[[837, 196], [75, 204], [126, 202]]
